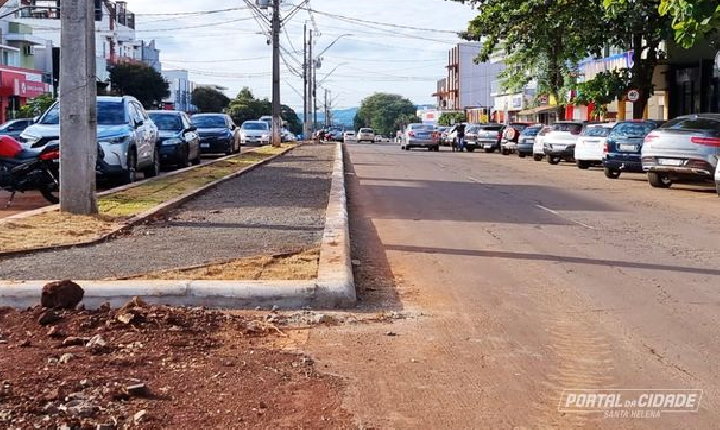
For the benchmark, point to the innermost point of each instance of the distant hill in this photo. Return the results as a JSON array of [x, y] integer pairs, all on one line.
[[346, 117]]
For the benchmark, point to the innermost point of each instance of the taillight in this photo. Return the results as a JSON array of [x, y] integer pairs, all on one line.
[[411, 133], [50, 155], [650, 137], [706, 141], [606, 148]]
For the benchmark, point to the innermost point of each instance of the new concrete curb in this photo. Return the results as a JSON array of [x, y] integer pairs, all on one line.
[[334, 287], [129, 223]]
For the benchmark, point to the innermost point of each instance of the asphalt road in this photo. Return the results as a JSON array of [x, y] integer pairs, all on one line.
[[519, 280]]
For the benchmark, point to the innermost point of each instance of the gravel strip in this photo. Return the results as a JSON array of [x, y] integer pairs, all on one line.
[[276, 208]]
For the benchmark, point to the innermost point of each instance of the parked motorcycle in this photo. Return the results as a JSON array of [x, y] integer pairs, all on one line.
[[24, 170]]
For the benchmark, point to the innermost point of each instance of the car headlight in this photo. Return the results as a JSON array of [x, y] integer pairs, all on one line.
[[244, 136], [115, 139], [266, 136], [172, 141], [29, 138]]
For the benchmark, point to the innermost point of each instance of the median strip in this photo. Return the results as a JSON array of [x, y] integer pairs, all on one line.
[[51, 229]]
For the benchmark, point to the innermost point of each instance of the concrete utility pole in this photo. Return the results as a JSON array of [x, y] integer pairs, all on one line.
[[78, 108], [314, 95], [277, 120], [327, 117], [305, 82]]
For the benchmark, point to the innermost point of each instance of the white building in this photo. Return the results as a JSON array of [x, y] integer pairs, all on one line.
[[181, 88]]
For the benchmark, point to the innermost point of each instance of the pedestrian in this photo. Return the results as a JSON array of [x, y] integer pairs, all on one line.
[[461, 137]]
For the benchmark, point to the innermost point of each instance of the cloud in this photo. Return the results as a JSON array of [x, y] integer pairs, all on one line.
[[228, 50]]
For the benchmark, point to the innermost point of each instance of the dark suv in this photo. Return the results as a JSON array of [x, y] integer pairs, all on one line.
[[623, 148]]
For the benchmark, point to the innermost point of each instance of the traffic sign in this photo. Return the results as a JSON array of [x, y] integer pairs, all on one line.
[[633, 95]]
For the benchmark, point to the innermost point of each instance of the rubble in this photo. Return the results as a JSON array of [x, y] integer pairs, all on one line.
[[48, 317], [61, 295]]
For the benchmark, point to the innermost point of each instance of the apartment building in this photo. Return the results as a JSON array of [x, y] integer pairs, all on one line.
[[181, 88]]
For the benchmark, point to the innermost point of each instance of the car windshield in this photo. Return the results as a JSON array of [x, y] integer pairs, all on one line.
[[209, 122], [694, 123], [596, 131], [564, 126], [421, 127], [491, 127], [108, 113], [367, 130], [532, 131], [168, 122], [519, 127], [254, 126], [633, 129]]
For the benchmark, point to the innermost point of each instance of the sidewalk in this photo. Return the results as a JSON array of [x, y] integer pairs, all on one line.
[[278, 208]]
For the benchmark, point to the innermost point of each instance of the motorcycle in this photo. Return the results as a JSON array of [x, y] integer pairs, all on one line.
[[24, 170]]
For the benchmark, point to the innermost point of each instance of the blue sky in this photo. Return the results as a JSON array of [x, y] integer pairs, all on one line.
[[228, 48]]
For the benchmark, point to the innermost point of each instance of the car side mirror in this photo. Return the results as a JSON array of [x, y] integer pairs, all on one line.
[[36, 119]]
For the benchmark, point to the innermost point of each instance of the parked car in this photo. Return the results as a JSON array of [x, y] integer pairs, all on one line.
[[255, 133], [471, 136], [623, 147], [539, 143], [511, 136], [128, 137], [489, 136], [685, 149], [717, 179], [179, 140], [591, 144], [527, 139], [349, 136], [15, 127], [443, 133], [559, 143], [379, 139], [420, 136], [366, 135], [334, 135], [218, 133]]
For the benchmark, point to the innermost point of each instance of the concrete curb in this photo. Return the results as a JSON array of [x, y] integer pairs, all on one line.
[[137, 219], [334, 287]]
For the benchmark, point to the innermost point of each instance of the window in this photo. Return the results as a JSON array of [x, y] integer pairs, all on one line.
[[596, 131], [532, 131], [254, 126], [169, 122], [202, 121], [694, 123], [111, 113], [633, 129]]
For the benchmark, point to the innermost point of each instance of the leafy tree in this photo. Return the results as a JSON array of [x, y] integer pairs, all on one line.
[[140, 81], [289, 115], [38, 104], [402, 121], [692, 19], [638, 26], [450, 118], [209, 100], [602, 90], [541, 39], [245, 107], [381, 112]]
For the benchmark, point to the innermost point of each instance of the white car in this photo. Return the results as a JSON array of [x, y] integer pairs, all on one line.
[[255, 133], [349, 136], [539, 144], [717, 179], [366, 135], [590, 145]]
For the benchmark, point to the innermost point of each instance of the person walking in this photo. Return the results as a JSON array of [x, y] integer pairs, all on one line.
[[461, 137]]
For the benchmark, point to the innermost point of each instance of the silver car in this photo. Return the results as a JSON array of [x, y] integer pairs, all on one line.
[[127, 135], [420, 136], [685, 149]]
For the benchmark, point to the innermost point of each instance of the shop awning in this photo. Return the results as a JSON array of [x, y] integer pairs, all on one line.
[[537, 110]]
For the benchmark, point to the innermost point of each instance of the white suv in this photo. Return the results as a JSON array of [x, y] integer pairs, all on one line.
[[366, 135]]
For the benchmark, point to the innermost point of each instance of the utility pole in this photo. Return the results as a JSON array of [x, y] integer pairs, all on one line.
[[305, 82], [327, 117], [314, 96], [277, 120], [78, 108]]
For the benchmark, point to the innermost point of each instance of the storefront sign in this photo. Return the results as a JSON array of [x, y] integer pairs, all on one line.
[[633, 96]]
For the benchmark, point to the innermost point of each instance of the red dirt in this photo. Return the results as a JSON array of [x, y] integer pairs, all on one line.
[[22, 202], [202, 369]]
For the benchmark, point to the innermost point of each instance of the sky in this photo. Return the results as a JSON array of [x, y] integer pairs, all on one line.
[[229, 48]]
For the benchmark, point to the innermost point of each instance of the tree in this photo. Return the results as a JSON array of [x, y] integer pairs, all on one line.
[[209, 100], [38, 104], [692, 19], [541, 39], [140, 81], [381, 112], [288, 114], [245, 107], [638, 26], [450, 118], [602, 90]]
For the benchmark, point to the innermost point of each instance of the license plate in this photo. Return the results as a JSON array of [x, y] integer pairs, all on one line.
[[670, 162], [561, 147], [204, 145], [627, 147]]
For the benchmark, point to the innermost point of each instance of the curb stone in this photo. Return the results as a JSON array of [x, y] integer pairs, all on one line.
[[137, 219], [334, 287]]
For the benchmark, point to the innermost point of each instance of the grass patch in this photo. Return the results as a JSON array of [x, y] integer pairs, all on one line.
[[301, 266], [56, 229]]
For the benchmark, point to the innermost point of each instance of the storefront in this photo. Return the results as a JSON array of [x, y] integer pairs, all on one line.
[[17, 85]]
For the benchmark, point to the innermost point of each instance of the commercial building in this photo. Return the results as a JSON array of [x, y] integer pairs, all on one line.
[[181, 88]]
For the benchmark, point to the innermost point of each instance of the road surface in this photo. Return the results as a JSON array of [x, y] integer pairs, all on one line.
[[515, 280]]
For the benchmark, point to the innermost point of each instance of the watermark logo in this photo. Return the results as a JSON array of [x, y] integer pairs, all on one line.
[[629, 403]]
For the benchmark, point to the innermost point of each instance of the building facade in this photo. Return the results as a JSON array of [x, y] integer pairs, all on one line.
[[181, 89]]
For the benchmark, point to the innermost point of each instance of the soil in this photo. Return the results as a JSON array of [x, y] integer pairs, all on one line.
[[159, 367]]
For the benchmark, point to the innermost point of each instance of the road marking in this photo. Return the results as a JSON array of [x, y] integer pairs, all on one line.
[[470, 178], [556, 213]]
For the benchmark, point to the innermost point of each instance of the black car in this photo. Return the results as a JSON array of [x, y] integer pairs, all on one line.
[[14, 127], [179, 140], [623, 147], [217, 134]]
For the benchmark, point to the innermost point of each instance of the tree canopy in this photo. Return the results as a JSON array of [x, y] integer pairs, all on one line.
[[209, 100], [692, 19], [245, 107], [140, 81], [381, 111]]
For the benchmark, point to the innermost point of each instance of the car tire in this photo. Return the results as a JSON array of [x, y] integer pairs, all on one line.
[[130, 174], [717, 187], [488, 150], [553, 160], [184, 160], [537, 157], [611, 173], [470, 149], [583, 164], [154, 169], [659, 181], [504, 151], [521, 155]]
